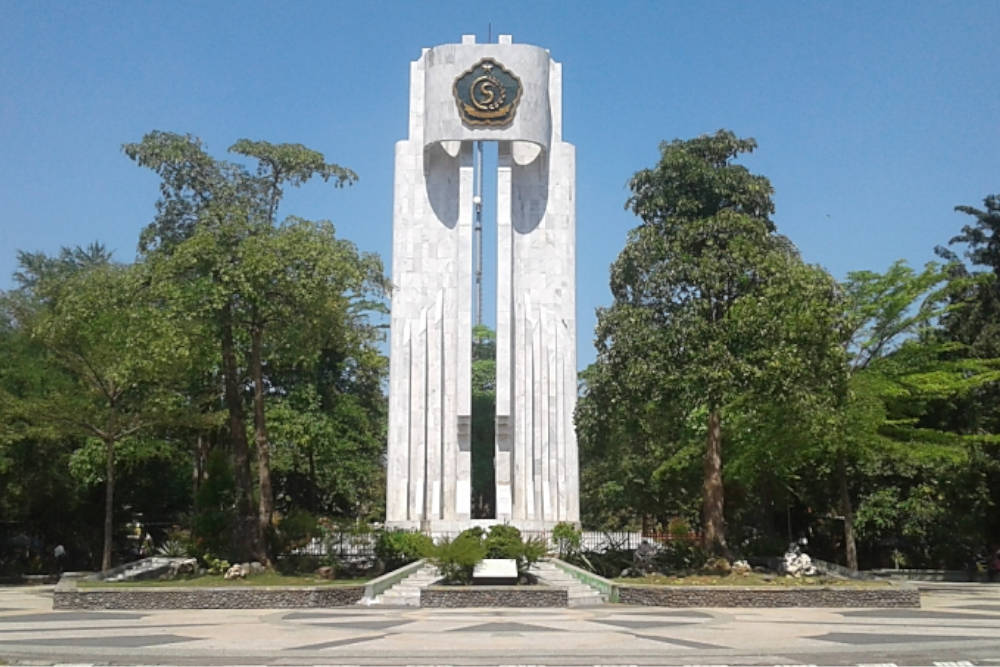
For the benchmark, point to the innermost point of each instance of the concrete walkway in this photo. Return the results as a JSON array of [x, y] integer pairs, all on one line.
[[957, 624]]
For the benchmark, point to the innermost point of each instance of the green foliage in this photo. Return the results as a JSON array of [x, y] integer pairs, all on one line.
[[474, 531], [884, 308], [678, 529], [396, 548], [295, 529], [114, 354], [456, 559], [214, 518], [567, 538], [215, 565], [280, 302], [679, 555], [710, 307], [172, 549], [533, 550], [483, 421], [327, 450], [608, 563], [503, 541], [717, 565]]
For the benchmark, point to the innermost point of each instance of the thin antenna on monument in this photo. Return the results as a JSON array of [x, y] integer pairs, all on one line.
[[489, 32], [477, 199]]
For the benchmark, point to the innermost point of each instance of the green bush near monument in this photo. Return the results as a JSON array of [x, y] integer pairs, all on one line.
[[456, 559], [567, 537], [396, 548]]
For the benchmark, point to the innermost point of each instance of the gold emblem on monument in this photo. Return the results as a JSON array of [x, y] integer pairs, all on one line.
[[487, 94]]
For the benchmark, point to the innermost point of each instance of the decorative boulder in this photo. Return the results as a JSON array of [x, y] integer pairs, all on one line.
[[255, 568], [741, 567], [644, 558], [238, 571], [325, 572], [182, 567], [796, 563]]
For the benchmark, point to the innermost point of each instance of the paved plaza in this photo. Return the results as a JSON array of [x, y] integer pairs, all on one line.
[[957, 624]]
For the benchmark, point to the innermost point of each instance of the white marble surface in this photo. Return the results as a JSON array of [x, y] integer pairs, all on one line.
[[495, 568], [429, 464]]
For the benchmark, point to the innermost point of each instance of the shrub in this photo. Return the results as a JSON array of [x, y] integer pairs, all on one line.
[[215, 565], [679, 555], [532, 552], [679, 529], [718, 565], [476, 532], [214, 523], [567, 538], [396, 548], [503, 541], [295, 530], [172, 549], [298, 564], [456, 559], [609, 563]]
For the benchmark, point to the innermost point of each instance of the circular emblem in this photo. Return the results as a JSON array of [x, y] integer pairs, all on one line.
[[487, 94]]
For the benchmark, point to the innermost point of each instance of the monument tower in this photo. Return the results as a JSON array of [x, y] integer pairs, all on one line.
[[461, 94]]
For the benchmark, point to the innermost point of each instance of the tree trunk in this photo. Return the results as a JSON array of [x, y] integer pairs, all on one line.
[[200, 463], [248, 530], [850, 546], [266, 505], [109, 502], [714, 537]]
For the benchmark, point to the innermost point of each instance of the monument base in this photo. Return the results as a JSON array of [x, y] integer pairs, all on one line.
[[449, 528]]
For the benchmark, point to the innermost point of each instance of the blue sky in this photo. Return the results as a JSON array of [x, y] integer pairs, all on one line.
[[874, 119]]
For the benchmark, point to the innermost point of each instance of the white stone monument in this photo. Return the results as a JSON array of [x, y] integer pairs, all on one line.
[[460, 94]]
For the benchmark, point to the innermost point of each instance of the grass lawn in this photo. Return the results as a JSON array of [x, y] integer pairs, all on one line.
[[751, 579], [216, 581]]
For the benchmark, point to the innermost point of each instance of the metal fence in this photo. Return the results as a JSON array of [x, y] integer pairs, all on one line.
[[356, 545], [341, 545]]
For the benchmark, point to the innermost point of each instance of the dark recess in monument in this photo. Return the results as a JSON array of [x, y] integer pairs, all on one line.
[[483, 473]]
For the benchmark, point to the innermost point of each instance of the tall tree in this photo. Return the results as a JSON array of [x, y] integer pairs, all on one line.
[[974, 297], [882, 311], [302, 285], [693, 296], [216, 234], [102, 332]]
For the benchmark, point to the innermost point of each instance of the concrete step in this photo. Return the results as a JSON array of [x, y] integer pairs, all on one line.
[[578, 593], [406, 593]]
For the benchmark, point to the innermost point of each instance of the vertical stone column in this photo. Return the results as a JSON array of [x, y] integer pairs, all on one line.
[[546, 478], [459, 382], [505, 341]]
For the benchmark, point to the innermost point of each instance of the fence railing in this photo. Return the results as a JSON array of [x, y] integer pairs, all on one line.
[[343, 546], [352, 545]]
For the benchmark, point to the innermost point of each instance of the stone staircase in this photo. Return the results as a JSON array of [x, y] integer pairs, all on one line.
[[406, 593], [579, 593]]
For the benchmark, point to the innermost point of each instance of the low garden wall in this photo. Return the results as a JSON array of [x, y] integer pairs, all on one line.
[[68, 596], [493, 596], [812, 596], [926, 575]]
